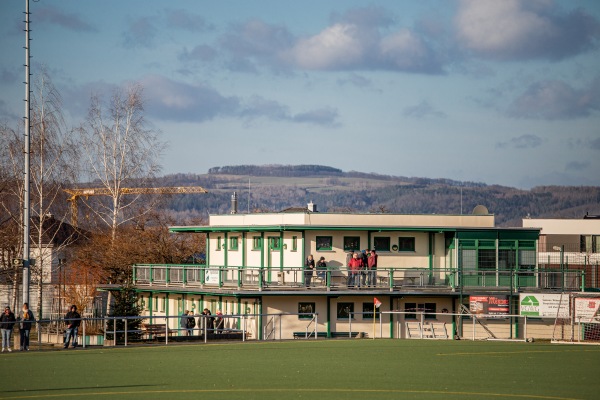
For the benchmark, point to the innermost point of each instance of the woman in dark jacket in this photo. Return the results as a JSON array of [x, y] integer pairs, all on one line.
[[7, 322]]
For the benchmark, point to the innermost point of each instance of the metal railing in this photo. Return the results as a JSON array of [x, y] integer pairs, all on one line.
[[253, 278]]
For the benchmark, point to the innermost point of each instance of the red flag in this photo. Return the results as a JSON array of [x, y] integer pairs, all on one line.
[[376, 302]]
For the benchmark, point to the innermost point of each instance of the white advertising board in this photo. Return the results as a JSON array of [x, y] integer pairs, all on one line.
[[586, 309], [544, 305], [211, 276]]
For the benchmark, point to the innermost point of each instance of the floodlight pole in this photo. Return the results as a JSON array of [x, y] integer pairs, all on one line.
[[26, 194]]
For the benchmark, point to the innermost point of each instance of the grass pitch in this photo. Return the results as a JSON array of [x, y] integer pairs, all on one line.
[[321, 369]]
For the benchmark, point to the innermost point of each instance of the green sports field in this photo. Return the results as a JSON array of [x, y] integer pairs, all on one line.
[[322, 369]]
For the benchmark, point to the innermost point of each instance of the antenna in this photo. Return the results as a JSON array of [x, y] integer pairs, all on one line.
[[26, 193]]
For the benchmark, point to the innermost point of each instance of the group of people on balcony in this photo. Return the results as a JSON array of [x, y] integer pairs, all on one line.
[[362, 269], [214, 324]]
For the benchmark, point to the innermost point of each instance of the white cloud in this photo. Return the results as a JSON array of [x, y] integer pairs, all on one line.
[[523, 29], [338, 47]]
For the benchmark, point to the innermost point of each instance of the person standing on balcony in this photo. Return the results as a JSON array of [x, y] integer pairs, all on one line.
[[322, 269], [363, 273], [73, 320], [26, 318], [354, 266], [309, 266], [372, 269], [7, 323]]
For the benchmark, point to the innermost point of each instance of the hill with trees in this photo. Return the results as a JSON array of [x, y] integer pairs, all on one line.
[[276, 187]]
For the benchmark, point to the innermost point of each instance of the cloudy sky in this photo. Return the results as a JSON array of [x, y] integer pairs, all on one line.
[[502, 92]]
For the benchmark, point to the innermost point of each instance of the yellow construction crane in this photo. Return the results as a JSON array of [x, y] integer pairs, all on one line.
[[86, 192]]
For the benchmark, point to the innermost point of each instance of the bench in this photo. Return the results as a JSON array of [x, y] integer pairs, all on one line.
[[156, 330], [311, 335]]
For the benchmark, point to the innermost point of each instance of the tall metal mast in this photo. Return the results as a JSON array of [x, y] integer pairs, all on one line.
[[26, 194]]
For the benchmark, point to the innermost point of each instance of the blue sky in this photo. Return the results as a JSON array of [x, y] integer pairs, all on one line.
[[502, 92]]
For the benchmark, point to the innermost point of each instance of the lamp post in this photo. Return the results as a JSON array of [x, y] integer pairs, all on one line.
[[561, 248]]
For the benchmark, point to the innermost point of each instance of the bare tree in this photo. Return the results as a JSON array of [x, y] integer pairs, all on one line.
[[120, 151], [53, 167], [11, 199]]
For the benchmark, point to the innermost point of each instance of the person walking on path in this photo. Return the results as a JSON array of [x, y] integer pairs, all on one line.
[[26, 318], [7, 323], [73, 320]]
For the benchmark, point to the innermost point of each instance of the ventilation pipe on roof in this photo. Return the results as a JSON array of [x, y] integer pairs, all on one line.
[[312, 207], [234, 202]]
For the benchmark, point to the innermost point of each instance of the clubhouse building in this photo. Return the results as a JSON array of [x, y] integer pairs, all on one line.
[[428, 266]]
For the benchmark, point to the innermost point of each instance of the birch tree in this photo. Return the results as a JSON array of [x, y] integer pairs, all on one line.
[[120, 150], [53, 162]]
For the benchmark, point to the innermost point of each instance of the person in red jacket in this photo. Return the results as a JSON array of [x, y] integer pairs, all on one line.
[[354, 266], [372, 269]]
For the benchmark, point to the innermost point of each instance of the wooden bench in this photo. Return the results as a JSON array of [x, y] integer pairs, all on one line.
[[156, 330]]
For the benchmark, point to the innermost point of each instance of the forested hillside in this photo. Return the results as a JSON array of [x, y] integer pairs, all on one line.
[[274, 188]]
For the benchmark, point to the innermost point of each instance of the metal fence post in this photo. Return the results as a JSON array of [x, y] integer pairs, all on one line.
[[474, 320], [350, 325], [83, 329], [125, 322], [166, 330], [115, 331]]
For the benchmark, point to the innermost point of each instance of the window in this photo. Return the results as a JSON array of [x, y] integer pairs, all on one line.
[[412, 309], [487, 259], [381, 243], [306, 308], [324, 243], [406, 244], [274, 242], [351, 243], [256, 243], [344, 310], [219, 245], [294, 243], [233, 243], [589, 244], [368, 309]]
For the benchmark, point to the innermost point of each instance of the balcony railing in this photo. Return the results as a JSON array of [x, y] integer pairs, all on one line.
[[253, 278]]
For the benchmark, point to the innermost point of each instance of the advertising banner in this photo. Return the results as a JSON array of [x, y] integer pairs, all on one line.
[[491, 305], [211, 275], [586, 309], [543, 305]]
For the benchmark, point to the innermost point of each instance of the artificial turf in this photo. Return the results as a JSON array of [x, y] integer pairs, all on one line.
[[308, 369]]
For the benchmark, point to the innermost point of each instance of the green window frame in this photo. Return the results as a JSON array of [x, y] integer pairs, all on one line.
[[294, 243], [412, 309], [306, 308], [256, 243], [219, 244], [324, 243], [233, 243], [344, 310], [368, 309], [406, 244], [351, 243], [381, 243], [274, 242]]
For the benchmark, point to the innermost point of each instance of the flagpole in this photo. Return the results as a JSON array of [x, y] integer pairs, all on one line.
[[374, 311]]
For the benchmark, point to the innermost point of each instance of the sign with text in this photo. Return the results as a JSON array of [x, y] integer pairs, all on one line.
[[586, 309], [543, 305], [211, 276], [490, 305]]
